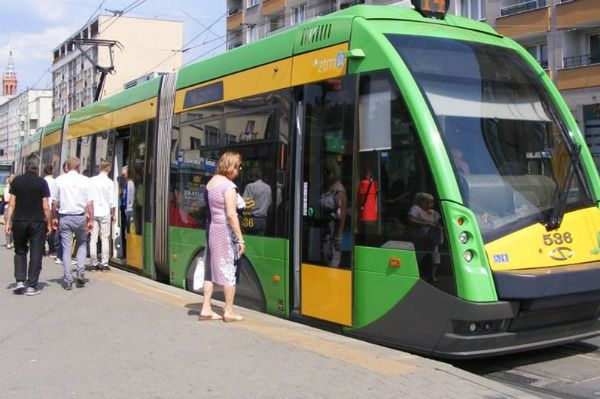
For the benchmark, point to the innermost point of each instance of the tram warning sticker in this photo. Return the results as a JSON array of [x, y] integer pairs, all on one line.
[[501, 258]]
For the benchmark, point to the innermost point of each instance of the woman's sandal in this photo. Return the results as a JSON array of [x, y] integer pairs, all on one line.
[[212, 316], [231, 319]]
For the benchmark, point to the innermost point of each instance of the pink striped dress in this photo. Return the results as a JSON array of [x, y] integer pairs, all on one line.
[[222, 251]]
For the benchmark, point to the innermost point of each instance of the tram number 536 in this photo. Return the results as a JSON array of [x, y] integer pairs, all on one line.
[[557, 238]]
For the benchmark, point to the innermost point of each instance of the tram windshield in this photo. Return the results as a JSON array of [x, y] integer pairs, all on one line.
[[511, 153]]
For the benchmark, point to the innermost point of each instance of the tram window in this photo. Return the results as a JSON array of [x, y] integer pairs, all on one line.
[[55, 149], [72, 148], [47, 155], [202, 113], [85, 154], [395, 185], [100, 151], [257, 125], [257, 185], [189, 172]]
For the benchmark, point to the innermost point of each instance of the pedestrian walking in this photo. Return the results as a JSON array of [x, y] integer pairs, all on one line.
[[9, 236], [74, 196], [29, 222], [104, 215], [57, 243], [49, 177]]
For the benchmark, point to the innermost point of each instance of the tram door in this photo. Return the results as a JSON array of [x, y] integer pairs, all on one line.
[[130, 160], [326, 240]]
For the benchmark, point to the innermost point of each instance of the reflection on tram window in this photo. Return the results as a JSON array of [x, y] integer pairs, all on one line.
[[394, 176]]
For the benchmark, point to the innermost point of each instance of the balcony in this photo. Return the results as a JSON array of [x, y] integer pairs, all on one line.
[[580, 60], [533, 22], [522, 7], [578, 77], [270, 7], [576, 13], [235, 19]]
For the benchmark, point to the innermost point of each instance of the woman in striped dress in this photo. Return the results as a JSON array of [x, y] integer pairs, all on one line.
[[224, 236]]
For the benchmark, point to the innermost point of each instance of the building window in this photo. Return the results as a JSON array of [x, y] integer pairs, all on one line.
[[252, 3], [595, 48], [273, 24], [252, 34], [540, 53], [474, 9], [298, 14], [510, 7]]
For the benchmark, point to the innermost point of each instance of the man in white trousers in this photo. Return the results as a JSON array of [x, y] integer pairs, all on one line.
[[104, 215]]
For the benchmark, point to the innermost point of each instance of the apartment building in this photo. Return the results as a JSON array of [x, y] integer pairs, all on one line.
[[250, 20], [125, 48], [20, 116]]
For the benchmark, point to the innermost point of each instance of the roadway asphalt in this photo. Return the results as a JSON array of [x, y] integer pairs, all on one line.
[[124, 336]]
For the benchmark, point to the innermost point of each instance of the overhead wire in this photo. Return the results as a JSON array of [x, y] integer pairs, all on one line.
[[184, 48]]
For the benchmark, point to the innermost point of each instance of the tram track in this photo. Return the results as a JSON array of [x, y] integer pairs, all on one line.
[[569, 371]]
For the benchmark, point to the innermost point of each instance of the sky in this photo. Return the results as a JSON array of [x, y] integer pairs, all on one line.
[[31, 29]]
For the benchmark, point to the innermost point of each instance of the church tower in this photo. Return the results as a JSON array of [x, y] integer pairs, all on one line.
[[9, 80]]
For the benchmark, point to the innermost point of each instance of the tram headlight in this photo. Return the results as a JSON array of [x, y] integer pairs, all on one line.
[[463, 237], [472, 327], [468, 256]]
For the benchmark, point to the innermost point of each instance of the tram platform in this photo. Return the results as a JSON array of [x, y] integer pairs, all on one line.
[[124, 336]]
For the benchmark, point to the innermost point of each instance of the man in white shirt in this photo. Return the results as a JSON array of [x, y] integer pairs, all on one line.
[[260, 195], [49, 177], [74, 195], [104, 214]]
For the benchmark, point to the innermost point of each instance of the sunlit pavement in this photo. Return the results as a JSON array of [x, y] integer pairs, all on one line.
[[124, 336]]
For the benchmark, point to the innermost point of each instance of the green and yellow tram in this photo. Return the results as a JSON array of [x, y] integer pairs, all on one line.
[[470, 222]]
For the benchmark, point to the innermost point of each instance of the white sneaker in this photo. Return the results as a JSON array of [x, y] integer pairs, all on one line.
[[31, 291], [58, 261], [19, 288]]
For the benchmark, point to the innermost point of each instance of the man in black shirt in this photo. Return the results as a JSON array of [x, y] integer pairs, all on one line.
[[30, 223]]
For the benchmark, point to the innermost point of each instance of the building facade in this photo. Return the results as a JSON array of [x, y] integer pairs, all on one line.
[[20, 116], [251, 20], [126, 48]]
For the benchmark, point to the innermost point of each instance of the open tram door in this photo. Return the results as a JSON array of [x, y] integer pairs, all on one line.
[[324, 258], [129, 162]]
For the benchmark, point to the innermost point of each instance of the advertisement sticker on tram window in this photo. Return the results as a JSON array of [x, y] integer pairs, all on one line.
[[210, 165], [180, 159], [193, 193], [501, 258]]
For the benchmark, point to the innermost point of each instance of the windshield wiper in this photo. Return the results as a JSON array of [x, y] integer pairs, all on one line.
[[560, 200]]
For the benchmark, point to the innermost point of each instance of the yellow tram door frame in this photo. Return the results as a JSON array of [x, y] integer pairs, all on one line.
[[326, 293]]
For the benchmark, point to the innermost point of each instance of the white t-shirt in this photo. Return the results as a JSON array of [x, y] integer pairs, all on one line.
[[105, 198], [51, 183], [73, 192]]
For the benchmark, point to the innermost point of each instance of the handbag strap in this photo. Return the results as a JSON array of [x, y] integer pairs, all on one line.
[[367, 193]]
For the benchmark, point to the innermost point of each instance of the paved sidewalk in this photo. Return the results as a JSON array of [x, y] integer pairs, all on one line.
[[124, 336]]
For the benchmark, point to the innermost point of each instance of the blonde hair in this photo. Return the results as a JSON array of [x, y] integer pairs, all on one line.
[[228, 161], [105, 166], [74, 163]]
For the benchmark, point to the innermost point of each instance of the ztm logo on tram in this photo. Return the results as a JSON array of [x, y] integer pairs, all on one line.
[[561, 253]]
